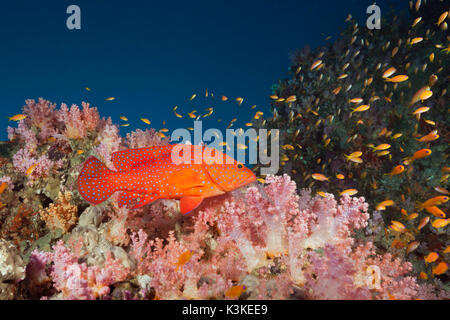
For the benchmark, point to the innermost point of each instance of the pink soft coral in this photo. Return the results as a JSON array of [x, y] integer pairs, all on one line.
[[24, 160], [146, 138], [109, 142], [78, 122], [80, 281]]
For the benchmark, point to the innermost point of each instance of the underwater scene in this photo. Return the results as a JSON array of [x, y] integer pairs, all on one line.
[[252, 150]]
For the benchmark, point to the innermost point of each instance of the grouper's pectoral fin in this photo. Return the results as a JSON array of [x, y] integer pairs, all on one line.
[[135, 200], [187, 204]]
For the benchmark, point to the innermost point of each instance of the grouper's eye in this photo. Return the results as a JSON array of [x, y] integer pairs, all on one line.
[[240, 166]]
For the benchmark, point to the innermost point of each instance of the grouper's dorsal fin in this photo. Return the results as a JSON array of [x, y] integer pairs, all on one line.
[[126, 159]]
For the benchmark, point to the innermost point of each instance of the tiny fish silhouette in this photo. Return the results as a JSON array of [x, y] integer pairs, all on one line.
[[146, 174]]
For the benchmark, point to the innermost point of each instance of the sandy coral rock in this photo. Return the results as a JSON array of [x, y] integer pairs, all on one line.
[[61, 214], [12, 267], [92, 216], [96, 246]]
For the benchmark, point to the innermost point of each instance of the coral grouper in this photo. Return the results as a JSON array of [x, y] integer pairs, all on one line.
[[147, 174]]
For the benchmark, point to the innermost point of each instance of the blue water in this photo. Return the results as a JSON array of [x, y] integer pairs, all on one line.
[[153, 55]]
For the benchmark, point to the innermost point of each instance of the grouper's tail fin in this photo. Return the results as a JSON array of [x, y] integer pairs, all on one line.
[[93, 184]]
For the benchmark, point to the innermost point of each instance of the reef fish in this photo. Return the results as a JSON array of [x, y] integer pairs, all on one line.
[[146, 174], [17, 117]]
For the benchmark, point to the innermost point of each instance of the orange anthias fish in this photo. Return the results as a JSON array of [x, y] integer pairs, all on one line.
[[431, 257], [433, 202], [435, 211], [17, 117], [147, 174], [441, 268], [184, 257], [3, 187], [235, 291], [422, 153], [397, 170]]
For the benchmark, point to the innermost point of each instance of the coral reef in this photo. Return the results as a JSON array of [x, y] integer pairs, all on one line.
[[345, 115], [289, 236], [61, 214]]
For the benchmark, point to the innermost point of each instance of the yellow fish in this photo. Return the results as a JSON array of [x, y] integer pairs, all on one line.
[[442, 17], [431, 257], [287, 147], [397, 226], [340, 176], [397, 170], [435, 211], [192, 114], [399, 78], [17, 117], [425, 95], [88, 89], [434, 201], [429, 137], [319, 177], [356, 100], [337, 90], [421, 110], [416, 96], [361, 108], [321, 193], [79, 151], [239, 100], [440, 223], [412, 246], [3, 187], [422, 153], [416, 21], [431, 57], [423, 223], [192, 97], [316, 64], [291, 99], [389, 72], [412, 216], [442, 190], [30, 169], [382, 146], [441, 268], [145, 120], [125, 125], [355, 154], [110, 99], [382, 205], [356, 160], [416, 40], [123, 118], [350, 192], [235, 291], [184, 257], [224, 98]]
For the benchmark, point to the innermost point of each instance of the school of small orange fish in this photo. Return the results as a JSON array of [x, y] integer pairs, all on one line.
[[405, 81]]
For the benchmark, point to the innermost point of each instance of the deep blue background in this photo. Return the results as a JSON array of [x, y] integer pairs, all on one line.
[[153, 55]]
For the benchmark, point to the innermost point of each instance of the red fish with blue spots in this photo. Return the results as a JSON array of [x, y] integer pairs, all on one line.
[[146, 174]]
